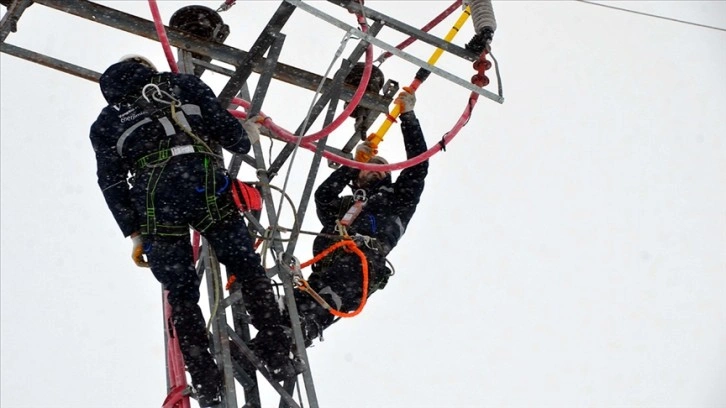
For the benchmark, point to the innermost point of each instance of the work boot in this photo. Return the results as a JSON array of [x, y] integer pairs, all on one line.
[[313, 317], [280, 366], [272, 346], [206, 379], [209, 391], [206, 402]]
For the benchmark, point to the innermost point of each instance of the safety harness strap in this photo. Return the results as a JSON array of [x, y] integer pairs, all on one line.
[[157, 157]]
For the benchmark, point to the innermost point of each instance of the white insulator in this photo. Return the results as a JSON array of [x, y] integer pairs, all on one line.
[[482, 14]]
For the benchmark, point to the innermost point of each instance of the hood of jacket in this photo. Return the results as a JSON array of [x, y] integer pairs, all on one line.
[[124, 78]]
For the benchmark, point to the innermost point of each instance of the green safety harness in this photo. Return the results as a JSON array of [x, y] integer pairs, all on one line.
[[163, 106]]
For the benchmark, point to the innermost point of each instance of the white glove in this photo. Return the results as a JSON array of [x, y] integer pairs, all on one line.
[[252, 127], [365, 150], [137, 253], [406, 100]]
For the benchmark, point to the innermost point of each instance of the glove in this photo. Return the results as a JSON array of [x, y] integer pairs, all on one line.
[[406, 100], [252, 127], [364, 151], [137, 253]]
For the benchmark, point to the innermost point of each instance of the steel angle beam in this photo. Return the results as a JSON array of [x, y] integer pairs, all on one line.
[[395, 51], [49, 62], [287, 150], [257, 50], [355, 7], [239, 79], [284, 274], [220, 342], [242, 347], [10, 18], [331, 93], [229, 55]]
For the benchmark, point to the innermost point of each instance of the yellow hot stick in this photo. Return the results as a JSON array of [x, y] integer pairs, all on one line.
[[375, 138], [452, 33]]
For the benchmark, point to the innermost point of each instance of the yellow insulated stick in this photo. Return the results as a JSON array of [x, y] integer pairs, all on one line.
[[375, 138]]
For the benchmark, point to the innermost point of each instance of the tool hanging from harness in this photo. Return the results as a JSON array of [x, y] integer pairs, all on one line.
[[160, 103], [246, 196], [359, 201]]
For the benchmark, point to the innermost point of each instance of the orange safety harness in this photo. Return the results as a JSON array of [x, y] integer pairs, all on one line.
[[349, 245]]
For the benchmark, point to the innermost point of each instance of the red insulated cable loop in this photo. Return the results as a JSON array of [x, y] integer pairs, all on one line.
[[335, 124]]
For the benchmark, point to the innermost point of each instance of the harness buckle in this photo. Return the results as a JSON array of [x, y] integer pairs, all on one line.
[[159, 95], [179, 150], [360, 195]]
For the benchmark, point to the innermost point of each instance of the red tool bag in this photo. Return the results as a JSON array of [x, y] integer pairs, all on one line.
[[246, 196]]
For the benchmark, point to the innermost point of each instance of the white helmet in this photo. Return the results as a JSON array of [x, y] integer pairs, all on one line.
[[140, 59]]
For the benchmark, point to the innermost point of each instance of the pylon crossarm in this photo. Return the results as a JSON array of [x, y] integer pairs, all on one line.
[[98, 13], [50, 62], [355, 7], [401, 54]]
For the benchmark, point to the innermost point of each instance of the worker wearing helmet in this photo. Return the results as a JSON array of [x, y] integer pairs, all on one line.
[[375, 215], [161, 129]]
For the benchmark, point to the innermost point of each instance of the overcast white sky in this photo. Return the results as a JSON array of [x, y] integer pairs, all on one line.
[[569, 250]]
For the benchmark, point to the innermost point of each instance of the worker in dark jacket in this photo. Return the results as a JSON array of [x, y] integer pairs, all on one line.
[[160, 128], [376, 216]]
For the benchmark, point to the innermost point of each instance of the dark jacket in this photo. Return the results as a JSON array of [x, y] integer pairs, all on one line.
[[390, 205], [130, 129]]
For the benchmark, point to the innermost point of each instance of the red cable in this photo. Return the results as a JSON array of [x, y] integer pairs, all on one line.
[[335, 124], [175, 361], [267, 122], [392, 166], [163, 39]]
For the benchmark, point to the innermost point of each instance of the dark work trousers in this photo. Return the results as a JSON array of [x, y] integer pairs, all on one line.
[[171, 261], [338, 280]]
